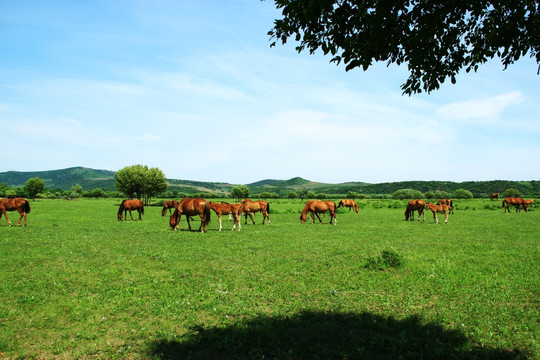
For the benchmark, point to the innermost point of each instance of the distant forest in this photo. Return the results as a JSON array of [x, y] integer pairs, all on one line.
[[90, 180]]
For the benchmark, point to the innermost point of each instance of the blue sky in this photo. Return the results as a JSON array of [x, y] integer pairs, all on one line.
[[193, 88]]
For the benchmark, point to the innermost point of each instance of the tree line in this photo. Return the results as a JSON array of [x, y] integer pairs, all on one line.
[[140, 181]]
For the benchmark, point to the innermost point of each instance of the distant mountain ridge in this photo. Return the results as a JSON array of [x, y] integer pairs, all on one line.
[[91, 179]]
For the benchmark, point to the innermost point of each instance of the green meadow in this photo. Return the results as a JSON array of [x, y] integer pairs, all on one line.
[[77, 283]]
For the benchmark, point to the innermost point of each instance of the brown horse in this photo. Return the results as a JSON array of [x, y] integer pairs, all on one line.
[[495, 196], [170, 204], [226, 209], [351, 204], [248, 207], [191, 207], [517, 202], [438, 209], [414, 205], [447, 202], [316, 207], [128, 205], [19, 204]]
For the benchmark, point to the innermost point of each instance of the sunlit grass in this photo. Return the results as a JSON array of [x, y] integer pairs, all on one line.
[[77, 283]]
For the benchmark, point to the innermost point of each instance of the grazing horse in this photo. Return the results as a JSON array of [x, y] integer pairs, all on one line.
[[348, 203], [248, 207], [529, 203], [315, 207], [414, 205], [517, 202], [170, 204], [191, 207], [494, 196], [19, 204], [438, 209], [447, 202], [226, 209], [128, 205]]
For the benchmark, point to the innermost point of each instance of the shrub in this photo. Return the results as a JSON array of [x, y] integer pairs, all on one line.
[[407, 194], [385, 260], [512, 193], [463, 194]]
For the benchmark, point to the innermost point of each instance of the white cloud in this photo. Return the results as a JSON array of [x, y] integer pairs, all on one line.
[[482, 109]]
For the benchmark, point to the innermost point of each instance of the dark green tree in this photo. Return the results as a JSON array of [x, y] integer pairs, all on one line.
[[141, 182], [302, 194], [511, 193], [407, 194], [292, 195], [34, 186], [352, 194], [240, 192], [463, 194], [436, 39]]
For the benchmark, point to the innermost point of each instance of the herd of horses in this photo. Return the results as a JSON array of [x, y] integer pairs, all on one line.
[[198, 206], [446, 206]]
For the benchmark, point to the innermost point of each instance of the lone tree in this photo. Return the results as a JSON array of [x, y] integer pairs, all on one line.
[[240, 192], [140, 181], [34, 186], [435, 38]]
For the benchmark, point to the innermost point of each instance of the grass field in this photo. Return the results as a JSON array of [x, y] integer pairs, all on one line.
[[77, 283]]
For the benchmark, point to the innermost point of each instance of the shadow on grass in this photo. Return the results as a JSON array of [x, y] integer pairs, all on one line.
[[316, 335]]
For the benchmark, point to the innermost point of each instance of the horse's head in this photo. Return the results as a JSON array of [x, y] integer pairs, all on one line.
[[120, 216], [173, 220], [303, 217], [164, 210]]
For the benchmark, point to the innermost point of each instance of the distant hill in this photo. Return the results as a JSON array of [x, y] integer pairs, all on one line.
[[63, 179], [91, 179]]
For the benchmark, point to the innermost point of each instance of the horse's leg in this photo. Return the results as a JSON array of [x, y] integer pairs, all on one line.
[[140, 215], [237, 220], [435, 217], [446, 217], [318, 217], [5, 214], [22, 213], [251, 217], [130, 214], [188, 224], [203, 223], [219, 218], [265, 216]]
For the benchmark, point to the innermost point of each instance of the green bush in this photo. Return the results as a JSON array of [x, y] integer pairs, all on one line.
[[385, 260], [512, 193]]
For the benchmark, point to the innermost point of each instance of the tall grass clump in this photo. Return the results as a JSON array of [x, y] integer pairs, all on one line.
[[387, 259]]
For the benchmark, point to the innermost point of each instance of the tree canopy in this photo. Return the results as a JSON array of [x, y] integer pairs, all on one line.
[[436, 39], [34, 186], [140, 181], [240, 192]]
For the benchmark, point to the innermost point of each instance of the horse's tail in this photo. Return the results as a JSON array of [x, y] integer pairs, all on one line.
[[207, 213], [268, 208], [504, 203], [26, 206]]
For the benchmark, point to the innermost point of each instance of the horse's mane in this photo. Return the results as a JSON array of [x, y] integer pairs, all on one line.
[[122, 206]]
